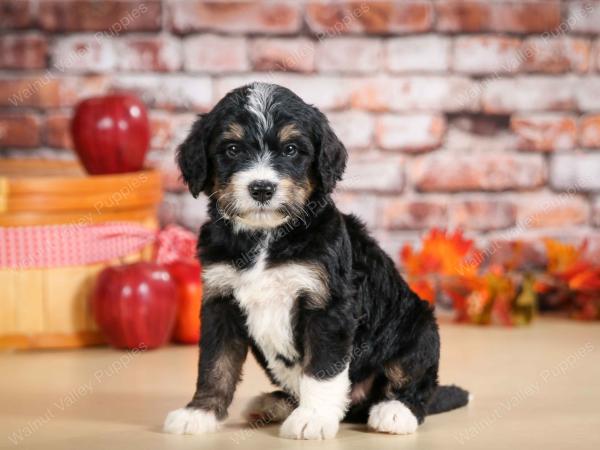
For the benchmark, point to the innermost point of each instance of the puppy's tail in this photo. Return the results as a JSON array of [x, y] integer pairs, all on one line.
[[446, 398]]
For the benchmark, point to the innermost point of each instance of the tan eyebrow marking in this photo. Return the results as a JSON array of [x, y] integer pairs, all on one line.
[[287, 132], [235, 131]]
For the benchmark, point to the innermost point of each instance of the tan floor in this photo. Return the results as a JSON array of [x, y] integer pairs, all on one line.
[[534, 388]]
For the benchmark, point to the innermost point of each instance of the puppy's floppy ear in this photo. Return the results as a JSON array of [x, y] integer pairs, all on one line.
[[331, 156], [192, 155]]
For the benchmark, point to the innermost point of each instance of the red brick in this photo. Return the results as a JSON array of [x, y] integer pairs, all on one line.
[[168, 130], [575, 172], [354, 128], [182, 124], [83, 53], [532, 16], [589, 131], [325, 92], [369, 17], [535, 93], [392, 242], [556, 55], [171, 91], [482, 215], [349, 54], [362, 205], [462, 15], [476, 132], [372, 94], [486, 54], [585, 92], [582, 16], [462, 140], [446, 93], [412, 214], [15, 14], [57, 131], [170, 173], [410, 133], [169, 210], [552, 211], [535, 16], [111, 16], [159, 53], [23, 51], [453, 172], [19, 131], [215, 54], [74, 89], [429, 53], [545, 132], [374, 172], [161, 130], [438, 93], [283, 54], [235, 17], [48, 91]]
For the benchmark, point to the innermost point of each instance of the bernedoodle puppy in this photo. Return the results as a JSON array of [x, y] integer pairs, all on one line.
[[303, 286]]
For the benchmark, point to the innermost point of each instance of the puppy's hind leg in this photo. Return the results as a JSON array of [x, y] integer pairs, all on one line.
[[404, 404], [269, 408]]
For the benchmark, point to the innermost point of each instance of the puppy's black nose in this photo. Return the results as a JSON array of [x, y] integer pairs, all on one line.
[[262, 191]]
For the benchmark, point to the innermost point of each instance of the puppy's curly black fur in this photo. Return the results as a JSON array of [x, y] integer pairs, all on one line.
[[354, 327]]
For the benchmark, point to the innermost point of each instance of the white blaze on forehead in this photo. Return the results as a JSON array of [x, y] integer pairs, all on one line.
[[259, 104]]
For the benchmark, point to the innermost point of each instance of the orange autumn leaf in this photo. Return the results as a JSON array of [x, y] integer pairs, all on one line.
[[585, 280], [442, 253], [560, 256], [568, 263], [424, 289]]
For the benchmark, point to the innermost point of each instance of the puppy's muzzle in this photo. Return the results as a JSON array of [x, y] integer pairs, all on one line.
[[262, 191]]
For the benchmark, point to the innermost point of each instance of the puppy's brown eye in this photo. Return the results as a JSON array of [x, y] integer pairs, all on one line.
[[290, 150], [232, 150]]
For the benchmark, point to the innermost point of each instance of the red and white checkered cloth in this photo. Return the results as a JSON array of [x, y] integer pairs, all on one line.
[[75, 245]]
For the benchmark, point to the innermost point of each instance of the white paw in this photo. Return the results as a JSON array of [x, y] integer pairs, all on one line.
[[268, 408], [392, 417], [305, 423], [190, 421]]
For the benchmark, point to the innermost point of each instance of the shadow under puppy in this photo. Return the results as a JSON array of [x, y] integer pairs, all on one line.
[[301, 285]]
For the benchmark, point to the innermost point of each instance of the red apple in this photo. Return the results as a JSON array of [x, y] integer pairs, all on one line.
[[135, 305], [189, 286], [111, 133]]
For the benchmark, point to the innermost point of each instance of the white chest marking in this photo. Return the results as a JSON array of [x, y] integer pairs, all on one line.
[[267, 297]]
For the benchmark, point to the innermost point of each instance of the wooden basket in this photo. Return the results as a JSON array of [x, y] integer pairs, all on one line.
[[49, 308]]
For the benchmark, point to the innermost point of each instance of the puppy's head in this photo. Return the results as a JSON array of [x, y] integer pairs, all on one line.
[[260, 154]]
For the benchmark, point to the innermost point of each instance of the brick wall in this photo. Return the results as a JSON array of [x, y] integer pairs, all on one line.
[[477, 114]]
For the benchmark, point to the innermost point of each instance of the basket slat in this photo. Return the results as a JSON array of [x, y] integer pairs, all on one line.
[[8, 317], [61, 283], [101, 202], [28, 288], [144, 215]]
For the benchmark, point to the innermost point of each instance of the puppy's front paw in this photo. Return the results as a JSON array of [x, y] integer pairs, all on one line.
[[190, 421], [305, 423], [392, 417]]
